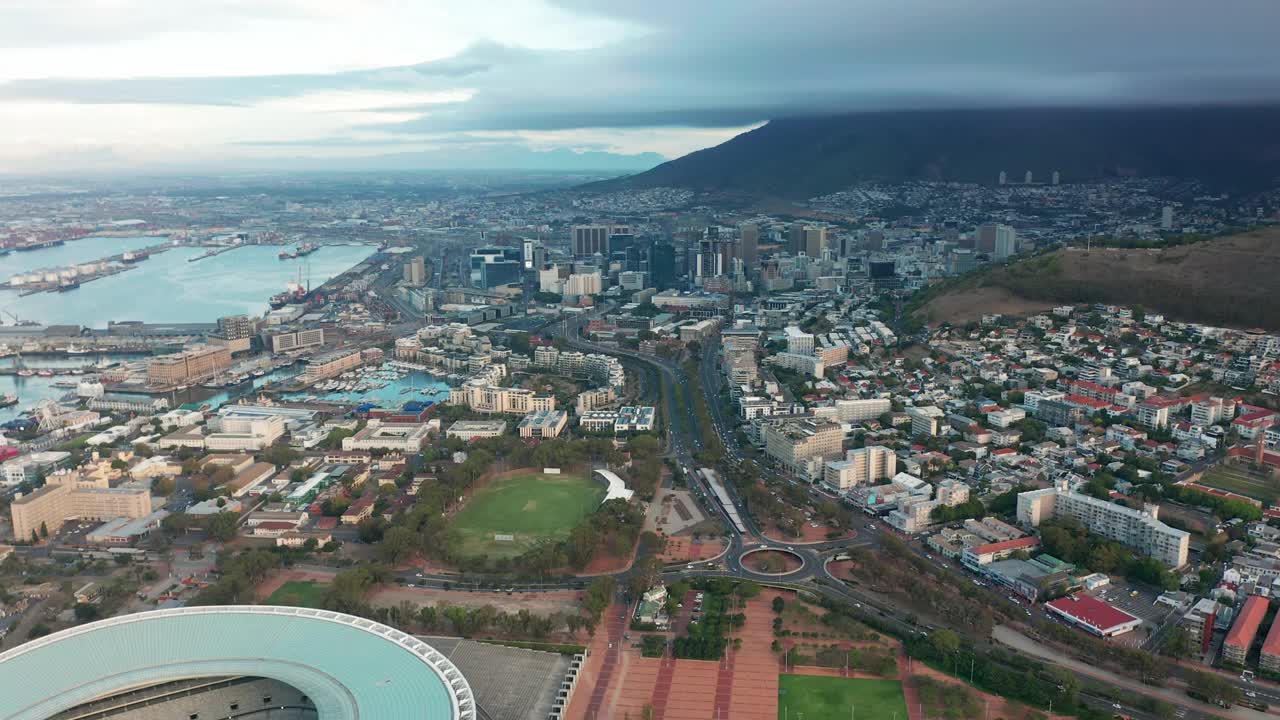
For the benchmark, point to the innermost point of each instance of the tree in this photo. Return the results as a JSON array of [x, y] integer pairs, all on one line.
[[163, 486], [398, 544], [779, 604], [945, 641], [1215, 688], [222, 526], [44, 530], [86, 612], [280, 455], [646, 573]]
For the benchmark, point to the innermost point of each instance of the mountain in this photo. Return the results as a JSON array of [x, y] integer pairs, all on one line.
[[1224, 281], [807, 156]]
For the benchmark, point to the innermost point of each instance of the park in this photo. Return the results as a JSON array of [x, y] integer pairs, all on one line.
[[507, 516]]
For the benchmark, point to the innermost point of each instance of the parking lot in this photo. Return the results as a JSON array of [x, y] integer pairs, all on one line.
[[1139, 602]]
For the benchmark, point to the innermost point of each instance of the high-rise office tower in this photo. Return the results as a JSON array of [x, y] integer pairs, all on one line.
[[1057, 177], [1027, 178], [710, 260], [815, 241], [592, 239], [1166, 217], [795, 238], [875, 240], [1003, 178], [662, 266], [750, 252]]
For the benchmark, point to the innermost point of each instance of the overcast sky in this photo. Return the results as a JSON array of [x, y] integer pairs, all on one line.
[[140, 83]]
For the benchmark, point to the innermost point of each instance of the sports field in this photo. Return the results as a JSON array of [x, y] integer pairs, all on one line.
[[832, 698], [531, 508], [1241, 480], [299, 594]]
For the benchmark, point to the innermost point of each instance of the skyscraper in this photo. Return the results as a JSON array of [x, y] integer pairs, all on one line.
[[815, 240], [750, 244], [795, 238], [592, 239], [1166, 217], [711, 259], [662, 265]]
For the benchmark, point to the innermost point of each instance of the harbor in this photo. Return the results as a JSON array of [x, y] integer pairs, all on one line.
[[168, 288], [71, 277]]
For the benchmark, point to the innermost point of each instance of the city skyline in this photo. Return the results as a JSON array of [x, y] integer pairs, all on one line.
[[217, 84]]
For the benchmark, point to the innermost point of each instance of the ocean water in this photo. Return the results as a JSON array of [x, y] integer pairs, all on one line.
[[166, 287]]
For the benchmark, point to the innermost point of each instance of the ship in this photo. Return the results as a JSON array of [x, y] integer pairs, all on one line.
[[133, 257], [38, 245], [8, 400], [303, 250], [74, 349], [66, 285]]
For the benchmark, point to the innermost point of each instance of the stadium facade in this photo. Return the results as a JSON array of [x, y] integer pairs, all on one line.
[[350, 668]]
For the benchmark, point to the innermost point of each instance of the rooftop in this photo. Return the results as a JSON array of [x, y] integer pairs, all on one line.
[[1092, 612]]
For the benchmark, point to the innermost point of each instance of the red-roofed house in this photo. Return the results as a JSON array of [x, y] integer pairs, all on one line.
[[979, 555], [1240, 638], [1093, 615]]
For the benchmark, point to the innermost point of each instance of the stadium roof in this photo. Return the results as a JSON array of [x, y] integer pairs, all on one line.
[[350, 667], [1093, 614]]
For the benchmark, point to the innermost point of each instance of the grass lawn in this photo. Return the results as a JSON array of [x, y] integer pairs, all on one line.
[[532, 508], [1241, 480], [299, 594], [830, 698]]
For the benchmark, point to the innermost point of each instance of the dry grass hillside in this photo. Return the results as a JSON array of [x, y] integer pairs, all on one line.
[[1233, 281]]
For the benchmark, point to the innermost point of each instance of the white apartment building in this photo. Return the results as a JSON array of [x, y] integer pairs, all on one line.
[[1032, 398], [798, 341], [379, 435], [799, 362], [926, 420], [297, 340], [793, 443], [861, 466], [583, 284], [493, 399], [914, 513], [241, 433], [1140, 530], [856, 411]]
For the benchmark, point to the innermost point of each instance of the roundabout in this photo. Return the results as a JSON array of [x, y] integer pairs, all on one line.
[[774, 562]]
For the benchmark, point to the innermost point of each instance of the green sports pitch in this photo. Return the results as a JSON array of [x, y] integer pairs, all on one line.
[[528, 508], [832, 698], [300, 594]]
